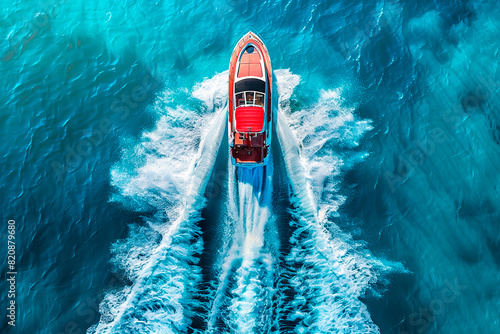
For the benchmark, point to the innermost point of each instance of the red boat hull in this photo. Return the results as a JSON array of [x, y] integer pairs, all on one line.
[[250, 112]]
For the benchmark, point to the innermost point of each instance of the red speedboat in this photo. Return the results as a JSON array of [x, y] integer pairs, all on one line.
[[250, 113]]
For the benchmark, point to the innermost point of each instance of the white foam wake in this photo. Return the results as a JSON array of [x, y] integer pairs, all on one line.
[[245, 285], [327, 270], [169, 169]]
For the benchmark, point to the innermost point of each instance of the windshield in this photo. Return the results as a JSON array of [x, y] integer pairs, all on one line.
[[250, 99]]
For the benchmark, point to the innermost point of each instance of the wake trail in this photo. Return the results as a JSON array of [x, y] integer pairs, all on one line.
[[314, 286], [326, 272], [245, 287], [178, 158]]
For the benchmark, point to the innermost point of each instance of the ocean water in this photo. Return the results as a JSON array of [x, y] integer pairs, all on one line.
[[379, 211]]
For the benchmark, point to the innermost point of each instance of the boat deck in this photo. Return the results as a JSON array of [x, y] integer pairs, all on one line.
[[250, 64], [249, 155]]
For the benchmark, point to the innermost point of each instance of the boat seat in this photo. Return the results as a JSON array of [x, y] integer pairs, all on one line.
[[249, 119]]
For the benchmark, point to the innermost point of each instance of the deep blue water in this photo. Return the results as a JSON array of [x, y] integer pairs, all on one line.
[[379, 210]]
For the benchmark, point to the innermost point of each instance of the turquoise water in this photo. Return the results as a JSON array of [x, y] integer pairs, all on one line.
[[379, 211]]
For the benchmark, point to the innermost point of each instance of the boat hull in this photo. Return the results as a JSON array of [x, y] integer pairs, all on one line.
[[249, 125]]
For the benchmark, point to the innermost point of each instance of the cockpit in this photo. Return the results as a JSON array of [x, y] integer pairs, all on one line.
[[250, 92]]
